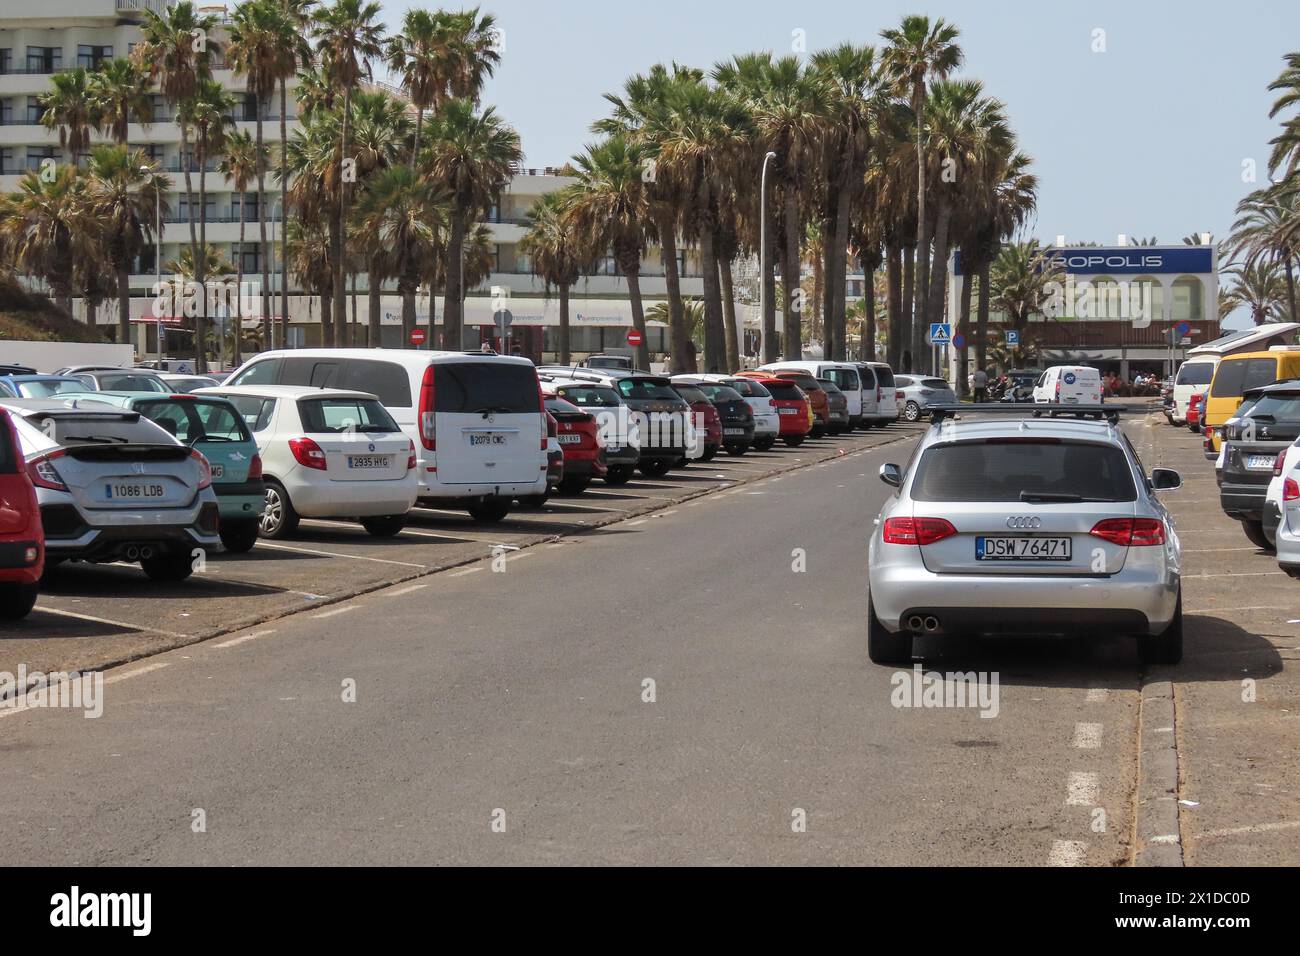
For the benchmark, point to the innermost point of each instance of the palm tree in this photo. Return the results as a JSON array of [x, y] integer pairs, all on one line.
[[313, 192], [292, 51], [918, 50], [1286, 145], [347, 39], [1260, 287], [553, 249], [309, 263], [471, 156], [120, 92], [609, 208], [1265, 228], [69, 108], [124, 189], [244, 161], [1022, 276], [38, 228]]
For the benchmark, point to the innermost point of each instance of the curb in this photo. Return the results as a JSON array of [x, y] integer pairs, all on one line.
[[1158, 839]]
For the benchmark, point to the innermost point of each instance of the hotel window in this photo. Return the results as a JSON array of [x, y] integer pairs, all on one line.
[[248, 201], [6, 60], [6, 112], [44, 59], [1146, 299], [251, 261], [246, 108], [38, 154], [93, 57], [6, 160], [1186, 302], [606, 266], [158, 109], [34, 110], [155, 153]]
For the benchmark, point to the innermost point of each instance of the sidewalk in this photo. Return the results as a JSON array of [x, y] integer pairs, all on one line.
[[1237, 691]]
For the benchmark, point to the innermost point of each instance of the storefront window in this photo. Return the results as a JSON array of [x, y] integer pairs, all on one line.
[[1187, 303]]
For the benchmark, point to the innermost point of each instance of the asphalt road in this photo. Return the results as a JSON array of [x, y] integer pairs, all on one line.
[[502, 717]]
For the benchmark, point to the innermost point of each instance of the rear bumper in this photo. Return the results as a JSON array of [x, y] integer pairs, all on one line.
[[14, 566], [243, 500], [746, 432], [1243, 502], [1287, 539], [351, 499], [1272, 518]]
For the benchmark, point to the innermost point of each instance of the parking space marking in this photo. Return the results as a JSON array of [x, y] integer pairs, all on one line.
[[1253, 828], [335, 554], [1253, 607], [104, 620], [633, 524], [245, 638], [461, 574], [335, 612], [1234, 574], [1096, 695], [1083, 789], [627, 494], [147, 669], [1087, 736], [406, 590], [1067, 853]]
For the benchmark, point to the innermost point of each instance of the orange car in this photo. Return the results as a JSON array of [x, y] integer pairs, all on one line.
[[821, 405], [794, 414]]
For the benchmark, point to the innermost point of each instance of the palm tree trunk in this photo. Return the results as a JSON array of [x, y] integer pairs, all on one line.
[[284, 211], [340, 227], [1290, 288], [838, 273], [408, 313], [268, 322], [239, 286], [715, 353], [201, 265], [452, 334], [935, 297], [825, 269], [123, 303], [564, 324], [768, 278], [678, 340], [730, 332], [868, 349], [326, 321], [374, 307], [189, 214], [792, 336], [894, 288], [415, 146], [963, 329], [908, 356], [982, 319], [922, 223], [638, 315], [817, 331]]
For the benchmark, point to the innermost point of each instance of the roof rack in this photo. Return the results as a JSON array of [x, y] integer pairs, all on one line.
[[1110, 413]]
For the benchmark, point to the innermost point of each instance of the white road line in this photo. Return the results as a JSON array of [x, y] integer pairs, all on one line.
[[1234, 574], [244, 639], [147, 669], [1096, 695], [461, 574], [104, 620], [335, 554], [1067, 853], [1087, 736], [334, 612], [1214, 550], [619, 494], [406, 590], [1253, 607], [633, 524], [1083, 789], [1254, 828]]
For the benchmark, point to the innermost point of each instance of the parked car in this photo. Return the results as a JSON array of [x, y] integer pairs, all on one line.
[[487, 409], [837, 405], [327, 453], [992, 530], [22, 541], [1068, 385], [618, 434], [1251, 444], [184, 384], [7, 370], [577, 435], [39, 386], [887, 406], [1195, 409], [1275, 498], [918, 392], [1288, 529], [215, 427], [794, 411], [113, 486], [815, 394], [118, 380], [1018, 386], [844, 375], [1237, 374], [705, 413], [554, 465], [734, 412], [767, 424], [1193, 378]]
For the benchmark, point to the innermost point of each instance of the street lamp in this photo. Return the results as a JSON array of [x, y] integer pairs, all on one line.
[[157, 257], [278, 216], [762, 250]]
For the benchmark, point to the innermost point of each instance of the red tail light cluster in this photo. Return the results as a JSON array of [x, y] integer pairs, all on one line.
[[43, 473], [1290, 490], [255, 469], [917, 530], [1277, 465], [541, 404], [205, 469], [410, 458], [307, 453], [1130, 532], [428, 418]]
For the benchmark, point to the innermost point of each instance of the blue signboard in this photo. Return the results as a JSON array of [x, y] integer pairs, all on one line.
[[1127, 260], [1013, 337], [940, 333]]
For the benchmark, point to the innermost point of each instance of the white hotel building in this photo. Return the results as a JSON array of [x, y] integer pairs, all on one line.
[[42, 38]]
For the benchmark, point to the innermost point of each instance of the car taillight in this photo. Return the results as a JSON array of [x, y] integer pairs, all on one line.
[[43, 473], [428, 417], [410, 458], [1290, 490], [1277, 465], [917, 530], [1130, 532], [880, 395], [205, 470], [307, 453], [546, 417], [255, 469], [1058, 388]]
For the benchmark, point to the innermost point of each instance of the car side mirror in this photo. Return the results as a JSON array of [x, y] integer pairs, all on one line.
[[1165, 479], [891, 475]]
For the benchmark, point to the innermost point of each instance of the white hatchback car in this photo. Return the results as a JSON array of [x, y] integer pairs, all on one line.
[[1282, 510], [327, 453]]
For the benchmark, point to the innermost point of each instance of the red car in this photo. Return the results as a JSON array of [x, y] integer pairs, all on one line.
[[1194, 412], [576, 431], [22, 541], [708, 412], [793, 410]]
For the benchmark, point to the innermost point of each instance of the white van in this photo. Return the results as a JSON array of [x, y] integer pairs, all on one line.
[[845, 375], [887, 407], [1068, 385], [485, 409], [1193, 378]]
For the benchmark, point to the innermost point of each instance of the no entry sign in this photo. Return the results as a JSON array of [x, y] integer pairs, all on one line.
[[417, 336], [634, 338]]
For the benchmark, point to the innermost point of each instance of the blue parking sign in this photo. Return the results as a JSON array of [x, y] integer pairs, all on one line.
[[1013, 337]]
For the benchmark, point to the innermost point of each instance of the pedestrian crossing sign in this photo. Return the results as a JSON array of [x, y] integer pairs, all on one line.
[[940, 333]]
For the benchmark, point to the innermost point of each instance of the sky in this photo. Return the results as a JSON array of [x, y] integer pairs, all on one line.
[[1146, 137]]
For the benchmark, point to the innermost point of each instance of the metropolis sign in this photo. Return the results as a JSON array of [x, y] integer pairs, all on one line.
[[1139, 260]]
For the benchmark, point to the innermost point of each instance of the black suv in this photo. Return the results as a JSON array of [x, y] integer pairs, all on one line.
[[1253, 441]]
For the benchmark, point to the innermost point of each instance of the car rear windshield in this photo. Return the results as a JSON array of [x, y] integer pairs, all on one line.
[[886, 376], [474, 387], [48, 388], [131, 383], [1195, 373], [721, 393], [8, 455], [590, 396], [829, 387], [997, 471], [806, 382], [320, 415], [845, 378], [645, 388], [1282, 407], [789, 392], [749, 389], [254, 410], [1237, 375], [691, 394], [195, 420], [558, 406], [933, 383], [387, 380], [90, 429]]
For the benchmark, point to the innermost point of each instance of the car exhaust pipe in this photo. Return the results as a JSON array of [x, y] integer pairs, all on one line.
[[131, 553], [915, 623], [146, 553], [932, 623]]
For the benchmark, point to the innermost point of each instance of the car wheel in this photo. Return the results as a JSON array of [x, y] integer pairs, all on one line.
[[794, 441], [710, 453], [735, 451], [239, 536], [884, 646], [1255, 532], [278, 520], [618, 474], [655, 467], [574, 486], [817, 431], [489, 512], [764, 444], [385, 526], [912, 411], [1167, 646], [168, 567], [17, 601]]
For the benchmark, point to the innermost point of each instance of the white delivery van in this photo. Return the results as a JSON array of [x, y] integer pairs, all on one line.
[[887, 408], [1193, 378], [477, 419], [1068, 385], [845, 375]]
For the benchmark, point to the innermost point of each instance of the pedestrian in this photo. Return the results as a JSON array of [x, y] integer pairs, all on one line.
[[980, 385]]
